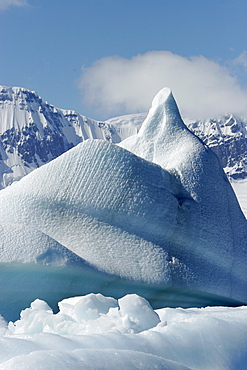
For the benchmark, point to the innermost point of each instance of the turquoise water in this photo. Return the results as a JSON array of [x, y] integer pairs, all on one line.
[[20, 284]]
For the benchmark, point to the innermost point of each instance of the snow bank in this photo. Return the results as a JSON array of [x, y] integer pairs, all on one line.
[[100, 332]]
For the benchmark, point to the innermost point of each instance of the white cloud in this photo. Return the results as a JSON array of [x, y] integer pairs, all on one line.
[[4, 4], [202, 87], [241, 60]]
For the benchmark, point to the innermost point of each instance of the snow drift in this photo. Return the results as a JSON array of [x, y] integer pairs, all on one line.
[[173, 223]]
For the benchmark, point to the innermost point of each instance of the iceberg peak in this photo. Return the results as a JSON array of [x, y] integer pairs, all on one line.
[[163, 117], [161, 132], [162, 96], [164, 101]]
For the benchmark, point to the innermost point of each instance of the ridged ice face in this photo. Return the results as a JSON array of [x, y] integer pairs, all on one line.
[[174, 222], [111, 203]]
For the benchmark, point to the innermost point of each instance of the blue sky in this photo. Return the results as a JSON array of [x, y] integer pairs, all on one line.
[[109, 57]]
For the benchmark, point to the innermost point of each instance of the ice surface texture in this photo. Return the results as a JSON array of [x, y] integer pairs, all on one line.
[[174, 222]]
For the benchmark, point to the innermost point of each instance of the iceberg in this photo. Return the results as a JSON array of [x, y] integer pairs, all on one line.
[[155, 215]]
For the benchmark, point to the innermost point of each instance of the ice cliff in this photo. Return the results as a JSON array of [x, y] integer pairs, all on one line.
[[169, 218]]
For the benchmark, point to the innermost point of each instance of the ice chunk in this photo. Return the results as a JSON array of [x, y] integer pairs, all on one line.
[[136, 310], [93, 313], [88, 307]]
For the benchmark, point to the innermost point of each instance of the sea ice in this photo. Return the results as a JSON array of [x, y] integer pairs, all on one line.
[[100, 332]]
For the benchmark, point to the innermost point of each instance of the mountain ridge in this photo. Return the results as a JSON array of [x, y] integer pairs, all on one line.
[[33, 132]]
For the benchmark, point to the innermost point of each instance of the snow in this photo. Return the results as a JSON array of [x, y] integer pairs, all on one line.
[[97, 332], [17, 243], [101, 229], [125, 126], [240, 188], [225, 135], [33, 132]]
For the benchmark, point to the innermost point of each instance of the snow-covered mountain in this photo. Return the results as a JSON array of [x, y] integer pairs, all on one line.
[[227, 137], [33, 132]]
